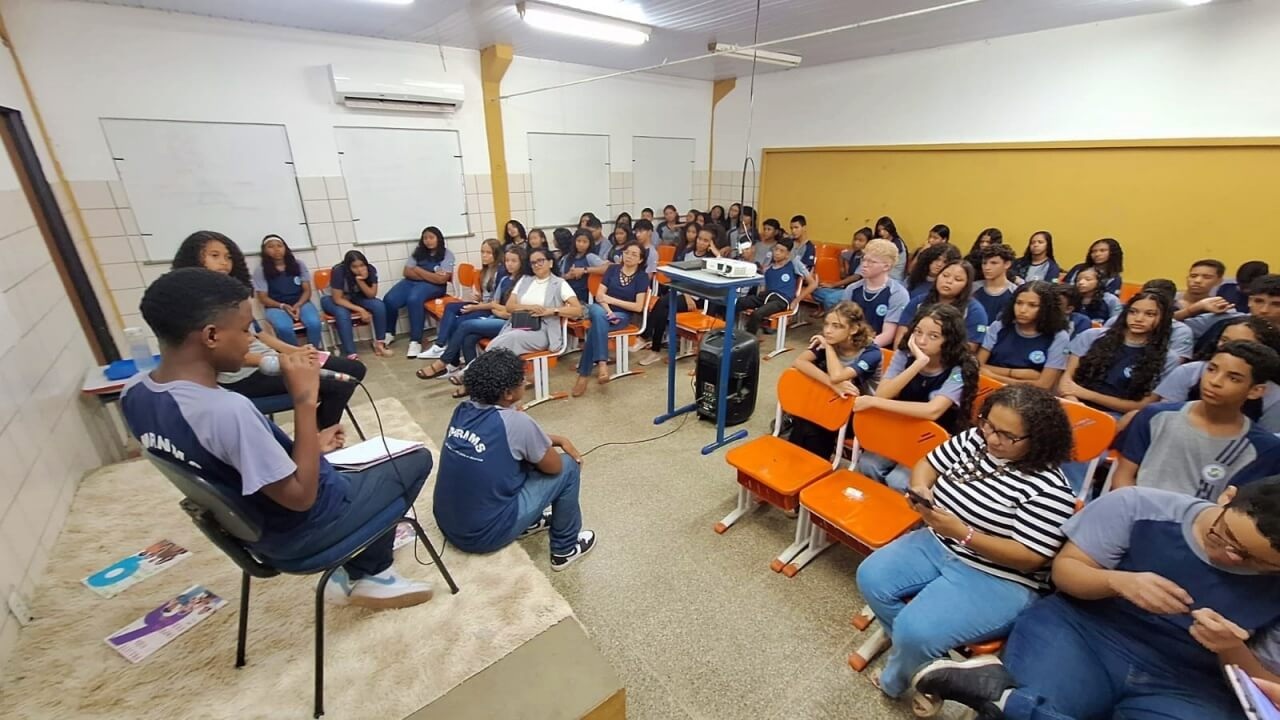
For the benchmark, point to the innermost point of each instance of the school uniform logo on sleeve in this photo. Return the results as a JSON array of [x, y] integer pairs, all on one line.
[[1213, 473], [957, 376], [863, 364], [297, 279], [982, 328], [1036, 356], [786, 277], [882, 310]]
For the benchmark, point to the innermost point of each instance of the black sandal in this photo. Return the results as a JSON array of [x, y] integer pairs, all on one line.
[[423, 375]]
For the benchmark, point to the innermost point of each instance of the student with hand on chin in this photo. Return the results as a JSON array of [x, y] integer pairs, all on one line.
[[180, 414]]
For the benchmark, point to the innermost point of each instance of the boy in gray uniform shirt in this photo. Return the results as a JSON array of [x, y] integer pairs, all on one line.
[[1201, 447]]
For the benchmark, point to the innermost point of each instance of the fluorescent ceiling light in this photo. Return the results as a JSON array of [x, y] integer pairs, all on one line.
[[568, 21], [1193, 3], [764, 56]]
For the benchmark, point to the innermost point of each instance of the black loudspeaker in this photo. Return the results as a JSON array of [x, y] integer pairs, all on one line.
[[744, 377]]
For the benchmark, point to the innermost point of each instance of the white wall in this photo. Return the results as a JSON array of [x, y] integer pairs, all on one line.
[[88, 61], [1203, 72], [47, 432]]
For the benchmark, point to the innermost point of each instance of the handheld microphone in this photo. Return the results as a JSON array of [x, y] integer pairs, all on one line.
[[270, 365]]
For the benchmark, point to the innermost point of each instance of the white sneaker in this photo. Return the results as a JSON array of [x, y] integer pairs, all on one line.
[[338, 590], [388, 339], [431, 353], [415, 349], [388, 589]]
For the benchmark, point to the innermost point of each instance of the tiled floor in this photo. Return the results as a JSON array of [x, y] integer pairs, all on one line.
[[695, 623]]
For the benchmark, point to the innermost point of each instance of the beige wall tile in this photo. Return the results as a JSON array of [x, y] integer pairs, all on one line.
[[312, 188], [103, 222], [340, 210], [335, 188], [129, 221], [122, 276], [92, 194], [113, 249], [322, 233]]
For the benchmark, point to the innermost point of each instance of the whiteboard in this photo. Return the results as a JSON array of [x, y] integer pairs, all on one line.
[[662, 171], [570, 176], [235, 178], [399, 181]]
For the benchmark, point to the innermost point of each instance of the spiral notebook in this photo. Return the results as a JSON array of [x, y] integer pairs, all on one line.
[[362, 456]]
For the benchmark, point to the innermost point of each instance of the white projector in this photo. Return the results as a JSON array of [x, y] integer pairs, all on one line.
[[731, 268]]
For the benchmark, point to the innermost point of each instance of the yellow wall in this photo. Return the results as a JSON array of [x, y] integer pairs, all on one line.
[[1167, 202]]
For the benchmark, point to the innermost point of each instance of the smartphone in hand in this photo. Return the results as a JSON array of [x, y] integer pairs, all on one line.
[[916, 498]]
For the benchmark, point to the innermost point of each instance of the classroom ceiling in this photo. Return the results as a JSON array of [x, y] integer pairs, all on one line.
[[681, 28]]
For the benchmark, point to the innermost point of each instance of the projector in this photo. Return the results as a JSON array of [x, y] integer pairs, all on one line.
[[731, 268]]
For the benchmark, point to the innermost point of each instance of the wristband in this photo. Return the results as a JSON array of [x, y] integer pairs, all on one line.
[[968, 537]]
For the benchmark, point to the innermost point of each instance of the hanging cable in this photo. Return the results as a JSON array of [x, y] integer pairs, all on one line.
[[751, 113]]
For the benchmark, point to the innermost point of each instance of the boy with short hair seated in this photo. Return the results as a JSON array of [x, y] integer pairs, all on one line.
[[781, 278], [180, 414], [1200, 447], [501, 478], [1157, 591], [881, 298]]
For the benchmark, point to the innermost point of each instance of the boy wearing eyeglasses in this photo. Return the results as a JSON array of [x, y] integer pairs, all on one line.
[[1200, 447], [1157, 592]]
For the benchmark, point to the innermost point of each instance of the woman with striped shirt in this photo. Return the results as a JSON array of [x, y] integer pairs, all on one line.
[[994, 502]]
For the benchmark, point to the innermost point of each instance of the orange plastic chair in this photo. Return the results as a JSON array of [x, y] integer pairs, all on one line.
[[468, 277], [986, 386], [779, 322], [1092, 431], [882, 513], [828, 269], [464, 276], [886, 357], [666, 253], [1128, 290], [827, 250], [538, 364], [620, 336], [774, 470]]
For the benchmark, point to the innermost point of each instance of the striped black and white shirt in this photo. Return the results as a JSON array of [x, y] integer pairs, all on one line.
[[1029, 507]]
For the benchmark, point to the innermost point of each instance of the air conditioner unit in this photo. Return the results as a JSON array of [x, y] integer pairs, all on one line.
[[371, 93]]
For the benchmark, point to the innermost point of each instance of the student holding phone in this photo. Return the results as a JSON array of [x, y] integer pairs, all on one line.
[[994, 502]]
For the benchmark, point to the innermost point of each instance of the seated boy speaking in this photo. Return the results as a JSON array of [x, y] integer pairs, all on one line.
[[180, 414], [501, 477]]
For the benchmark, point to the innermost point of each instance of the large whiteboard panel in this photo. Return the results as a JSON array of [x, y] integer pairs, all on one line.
[[663, 172], [570, 176], [400, 181], [235, 178]]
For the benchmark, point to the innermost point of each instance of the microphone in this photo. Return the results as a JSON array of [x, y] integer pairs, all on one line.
[[270, 365]]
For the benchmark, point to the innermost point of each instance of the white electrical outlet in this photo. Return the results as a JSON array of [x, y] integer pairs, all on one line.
[[20, 608]]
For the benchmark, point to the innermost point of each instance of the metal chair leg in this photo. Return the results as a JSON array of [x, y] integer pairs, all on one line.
[[431, 550], [244, 619], [324, 580], [352, 417]]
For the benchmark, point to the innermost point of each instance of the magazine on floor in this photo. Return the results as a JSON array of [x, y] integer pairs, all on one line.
[[133, 569], [142, 637]]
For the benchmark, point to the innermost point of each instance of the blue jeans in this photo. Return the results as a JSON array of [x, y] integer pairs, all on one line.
[[370, 493], [882, 469], [1069, 667], [595, 347], [411, 294], [469, 331], [282, 323], [952, 603], [449, 320], [829, 297], [342, 320]]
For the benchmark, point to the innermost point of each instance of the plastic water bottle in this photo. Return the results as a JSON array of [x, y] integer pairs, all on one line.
[[139, 348]]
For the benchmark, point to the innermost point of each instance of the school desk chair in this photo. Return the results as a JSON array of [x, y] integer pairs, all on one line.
[[692, 326], [850, 507], [828, 268], [828, 250], [578, 326], [774, 470], [1092, 432], [269, 405], [539, 364], [464, 279], [779, 322], [232, 527], [1128, 290], [986, 386], [320, 283]]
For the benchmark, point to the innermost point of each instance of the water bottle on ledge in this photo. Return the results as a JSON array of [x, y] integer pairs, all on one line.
[[139, 348]]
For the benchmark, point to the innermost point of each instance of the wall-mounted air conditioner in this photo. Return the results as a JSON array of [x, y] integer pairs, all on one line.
[[367, 92]]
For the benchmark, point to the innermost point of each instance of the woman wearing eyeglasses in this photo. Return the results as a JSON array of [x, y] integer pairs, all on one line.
[[994, 501]]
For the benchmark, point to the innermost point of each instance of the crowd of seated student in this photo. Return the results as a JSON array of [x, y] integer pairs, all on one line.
[[352, 294], [427, 273], [845, 358], [988, 236], [995, 290], [953, 286], [827, 294], [216, 252], [887, 230], [929, 262], [938, 235], [1037, 261], [1106, 258], [623, 295], [703, 246], [1183, 383], [881, 297], [1027, 345], [1096, 303], [283, 287]]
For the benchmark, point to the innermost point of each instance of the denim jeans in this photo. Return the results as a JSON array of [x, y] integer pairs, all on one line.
[[449, 320], [1069, 667], [469, 331], [371, 492], [882, 469], [411, 294], [952, 603], [342, 320], [595, 347], [829, 297], [282, 323]]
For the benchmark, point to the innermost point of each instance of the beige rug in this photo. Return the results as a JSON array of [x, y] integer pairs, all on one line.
[[378, 664]]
